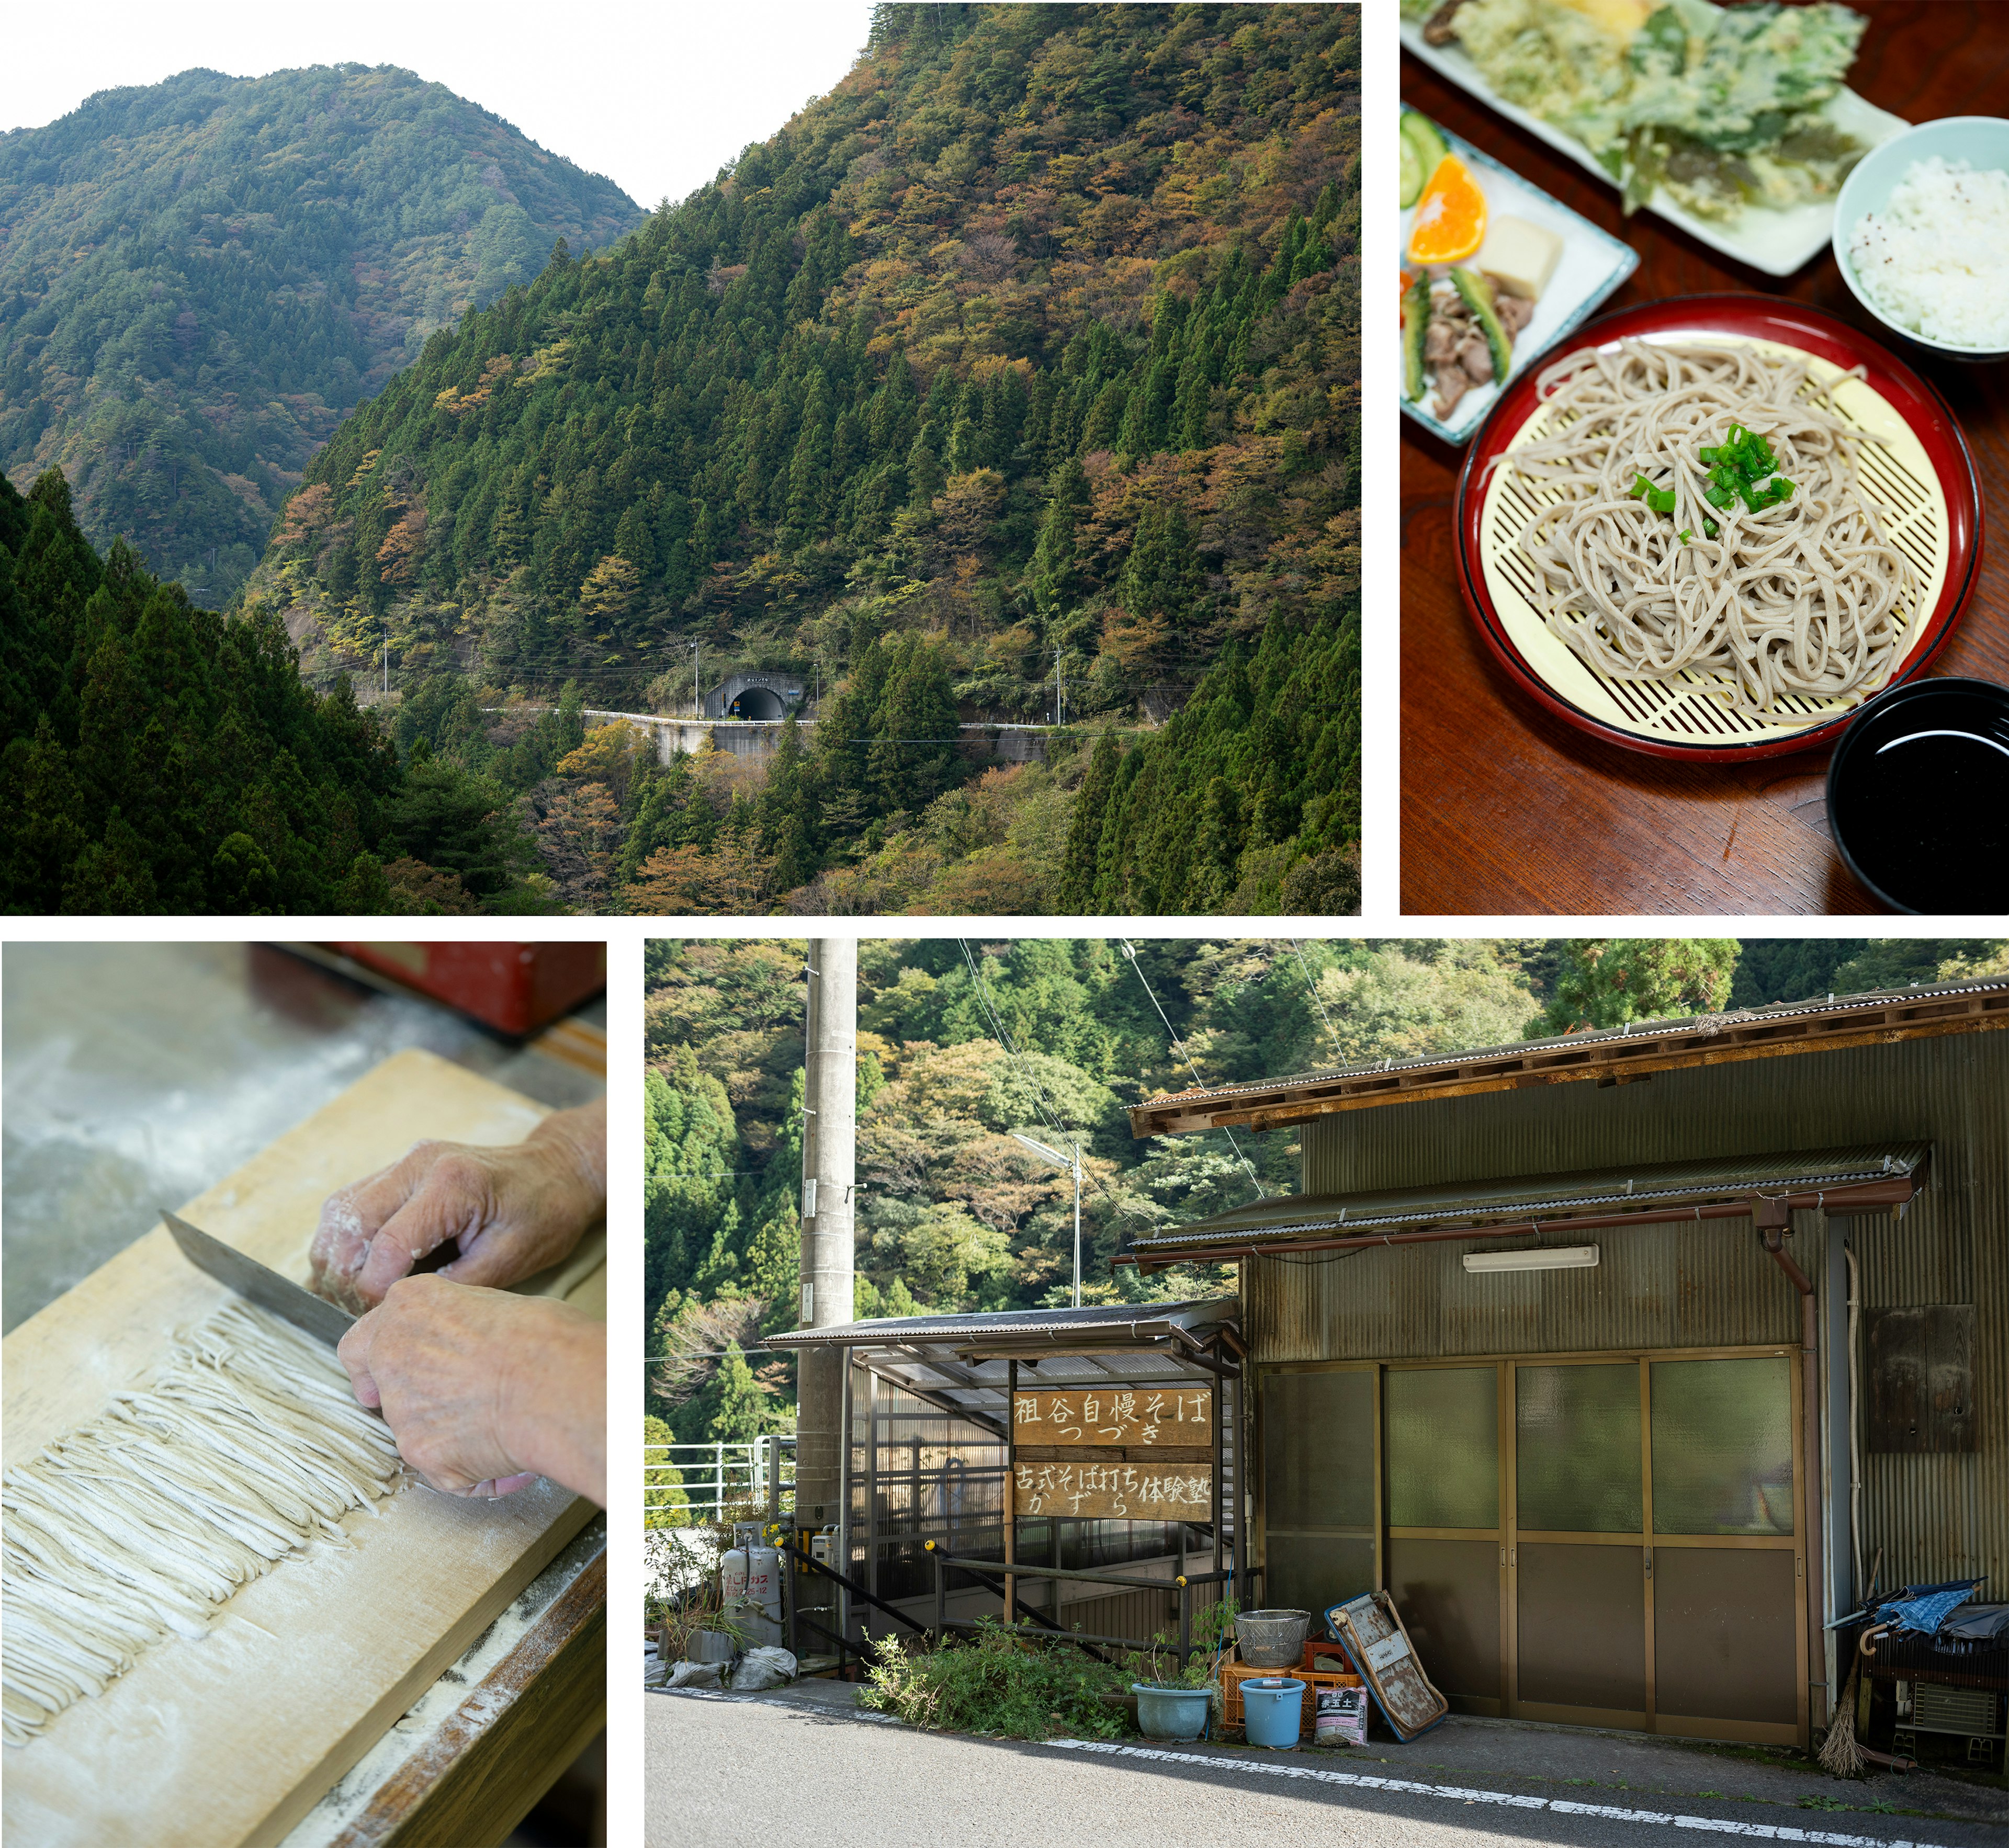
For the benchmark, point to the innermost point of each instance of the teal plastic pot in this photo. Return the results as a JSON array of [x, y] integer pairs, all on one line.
[[1165, 1712], [1273, 1711]]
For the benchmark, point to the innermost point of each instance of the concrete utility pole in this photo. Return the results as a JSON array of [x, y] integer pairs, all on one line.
[[830, 1150]]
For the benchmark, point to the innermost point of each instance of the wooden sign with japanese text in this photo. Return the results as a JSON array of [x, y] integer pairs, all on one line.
[[1091, 1491], [1126, 1415]]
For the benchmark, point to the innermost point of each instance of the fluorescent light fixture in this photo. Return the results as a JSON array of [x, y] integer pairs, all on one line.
[[1538, 1257]]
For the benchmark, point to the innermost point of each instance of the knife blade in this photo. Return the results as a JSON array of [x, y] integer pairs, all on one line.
[[253, 1282]]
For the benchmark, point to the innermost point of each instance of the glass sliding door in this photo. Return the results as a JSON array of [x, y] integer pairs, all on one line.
[[1727, 1564], [1607, 1540], [1445, 1548], [1576, 1560], [1320, 1465], [1654, 1558]]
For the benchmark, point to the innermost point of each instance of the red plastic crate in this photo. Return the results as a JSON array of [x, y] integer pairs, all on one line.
[[515, 988]]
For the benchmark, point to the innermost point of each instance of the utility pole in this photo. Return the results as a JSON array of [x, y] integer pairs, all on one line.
[[387, 659], [1060, 699], [830, 1146], [697, 685]]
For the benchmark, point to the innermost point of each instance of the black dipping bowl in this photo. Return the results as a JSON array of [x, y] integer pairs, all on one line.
[[1917, 796]]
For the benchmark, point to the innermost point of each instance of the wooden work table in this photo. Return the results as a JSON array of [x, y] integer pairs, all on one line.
[[230, 1741], [1506, 809]]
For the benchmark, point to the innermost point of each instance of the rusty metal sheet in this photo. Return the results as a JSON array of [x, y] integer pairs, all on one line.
[[1922, 1378], [1146, 1415], [1092, 1491]]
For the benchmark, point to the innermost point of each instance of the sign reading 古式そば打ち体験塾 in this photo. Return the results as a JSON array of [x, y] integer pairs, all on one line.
[[1091, 1491], [1139, 1415]]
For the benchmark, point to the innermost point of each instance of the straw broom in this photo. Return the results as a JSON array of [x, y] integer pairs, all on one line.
[[1839, 1753]]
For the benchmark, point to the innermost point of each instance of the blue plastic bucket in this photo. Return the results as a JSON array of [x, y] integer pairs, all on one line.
[[1166, 1712], [1273, 1712]]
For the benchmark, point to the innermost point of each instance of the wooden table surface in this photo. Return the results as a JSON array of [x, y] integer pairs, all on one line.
[[1506, 809]]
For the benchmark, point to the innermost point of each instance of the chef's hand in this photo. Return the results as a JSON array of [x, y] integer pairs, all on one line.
[[484, 1391], [513, 1210]]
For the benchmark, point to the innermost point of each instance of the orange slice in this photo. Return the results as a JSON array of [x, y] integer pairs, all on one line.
[[1450, 216]]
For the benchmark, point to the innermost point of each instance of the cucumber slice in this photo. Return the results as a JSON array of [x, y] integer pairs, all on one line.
[[1415, 324], [1478, 294], [1420, 137]]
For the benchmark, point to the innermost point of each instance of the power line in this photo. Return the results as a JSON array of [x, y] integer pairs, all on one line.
[[1178, 1046], [1039, 1092], [1317, 1000]]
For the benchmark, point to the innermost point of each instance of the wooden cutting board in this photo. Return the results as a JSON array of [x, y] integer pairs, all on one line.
[[229, 1740]]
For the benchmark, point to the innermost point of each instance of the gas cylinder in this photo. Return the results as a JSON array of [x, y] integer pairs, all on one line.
[[763, 1576], [732, 1569]]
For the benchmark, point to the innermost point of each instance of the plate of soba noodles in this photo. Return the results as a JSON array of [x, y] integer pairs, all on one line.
[[1712, 527]]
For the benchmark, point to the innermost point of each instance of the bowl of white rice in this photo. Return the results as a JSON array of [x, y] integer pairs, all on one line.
[[1922, 234]]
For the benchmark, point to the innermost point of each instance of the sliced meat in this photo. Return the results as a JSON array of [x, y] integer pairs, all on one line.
[[1439, 342], [1474, 356], [1452, 384], [1514, 311]]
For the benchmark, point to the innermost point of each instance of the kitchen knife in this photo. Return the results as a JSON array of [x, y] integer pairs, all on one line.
[[255, 1283]]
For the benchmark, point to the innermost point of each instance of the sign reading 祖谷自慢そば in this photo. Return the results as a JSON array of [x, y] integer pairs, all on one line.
[[1126, 1415]]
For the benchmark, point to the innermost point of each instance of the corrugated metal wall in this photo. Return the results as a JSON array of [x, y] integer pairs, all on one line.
[[1937, 1516]]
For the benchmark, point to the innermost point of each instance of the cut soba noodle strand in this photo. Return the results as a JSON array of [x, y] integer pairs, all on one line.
[[247, 1444], [1801, 597]]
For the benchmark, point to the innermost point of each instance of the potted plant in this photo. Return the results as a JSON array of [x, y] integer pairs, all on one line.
[[1172, 1701]]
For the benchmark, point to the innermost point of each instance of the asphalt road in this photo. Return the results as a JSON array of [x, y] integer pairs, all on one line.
[[727, 1768]]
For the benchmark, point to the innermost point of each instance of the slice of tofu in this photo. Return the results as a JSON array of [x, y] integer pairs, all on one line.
[[1519, 257]]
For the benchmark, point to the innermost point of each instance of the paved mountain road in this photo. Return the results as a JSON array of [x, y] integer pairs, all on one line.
[[725, 1769]]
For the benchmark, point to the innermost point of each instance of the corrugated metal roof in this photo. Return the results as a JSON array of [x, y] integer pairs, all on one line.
[[1102, 1320], [930, 1355], [1690, 1027], [1523, 1197]]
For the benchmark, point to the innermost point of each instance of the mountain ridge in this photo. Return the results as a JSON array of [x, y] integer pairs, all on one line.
[[200, 278]]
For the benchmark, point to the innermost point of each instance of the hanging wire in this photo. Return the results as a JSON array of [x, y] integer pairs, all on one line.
[[1125, 1215], [1318, 1000], [1178, 1046]]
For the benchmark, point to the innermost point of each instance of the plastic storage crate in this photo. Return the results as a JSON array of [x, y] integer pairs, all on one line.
[[1234, 1673]]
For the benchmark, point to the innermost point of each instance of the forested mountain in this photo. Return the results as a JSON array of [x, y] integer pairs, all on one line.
[[953, 1213], [157, 757], [200, 278], [959, 1044], [1029, 355]]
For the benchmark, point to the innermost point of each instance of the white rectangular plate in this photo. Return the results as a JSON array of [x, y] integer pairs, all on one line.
[[1776, 242], [1593, 264]]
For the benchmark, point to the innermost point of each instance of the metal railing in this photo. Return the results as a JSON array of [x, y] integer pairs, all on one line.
[[1000, 1577], [719, 1476]]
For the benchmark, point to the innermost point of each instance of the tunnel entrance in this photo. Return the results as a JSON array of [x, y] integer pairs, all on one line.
[[756, 703]]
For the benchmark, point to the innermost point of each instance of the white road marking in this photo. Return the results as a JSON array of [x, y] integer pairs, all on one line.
[[1763, 1831]]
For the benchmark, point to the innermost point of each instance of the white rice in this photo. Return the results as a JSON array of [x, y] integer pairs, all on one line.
[[1936, 259]]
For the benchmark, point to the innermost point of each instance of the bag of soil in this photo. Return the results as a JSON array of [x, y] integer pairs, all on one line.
[[1342, 1717]]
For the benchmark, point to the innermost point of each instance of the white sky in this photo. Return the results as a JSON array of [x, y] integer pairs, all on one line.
[[656, 97]]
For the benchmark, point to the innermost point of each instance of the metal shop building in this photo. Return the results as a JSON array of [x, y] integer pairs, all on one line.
[[1621, 1360]]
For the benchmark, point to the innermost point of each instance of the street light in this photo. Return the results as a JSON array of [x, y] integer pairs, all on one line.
[[1072, 1164]]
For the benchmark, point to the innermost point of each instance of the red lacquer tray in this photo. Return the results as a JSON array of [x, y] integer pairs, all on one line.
[[1713, 735]]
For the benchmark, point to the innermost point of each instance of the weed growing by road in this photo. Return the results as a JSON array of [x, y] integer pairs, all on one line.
[[998, 1681]]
